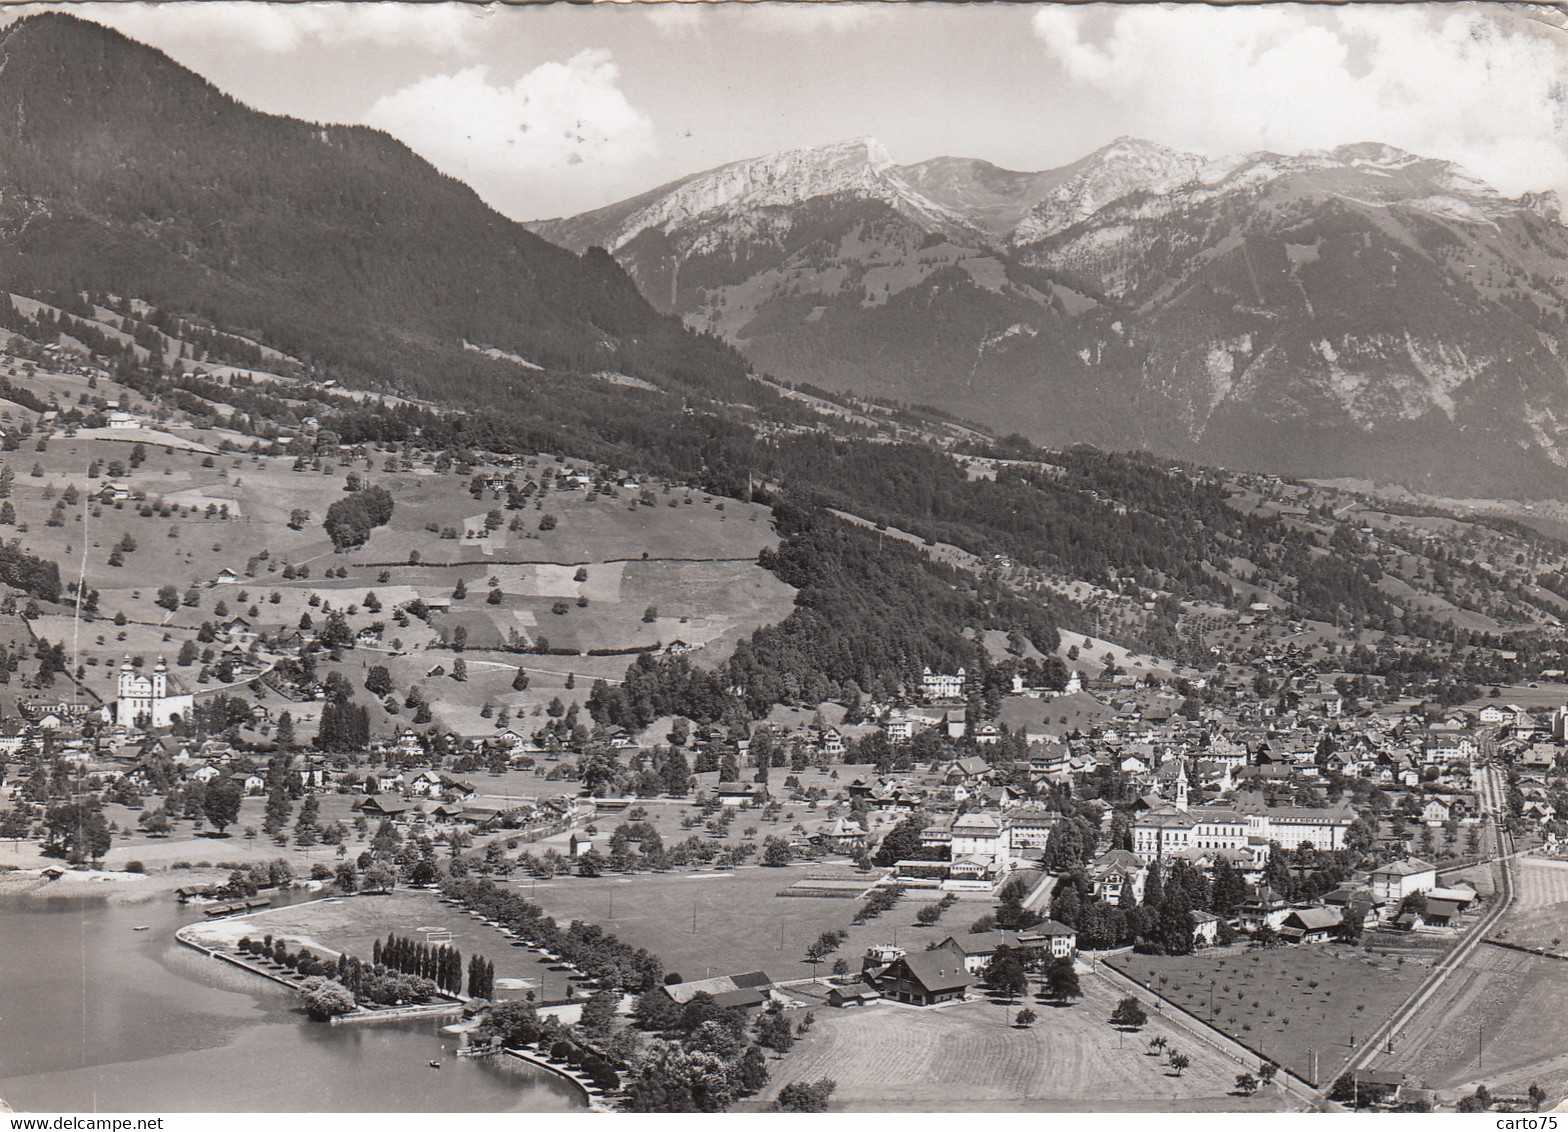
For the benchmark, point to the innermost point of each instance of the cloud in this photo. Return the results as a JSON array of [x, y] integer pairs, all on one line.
[[676, 17], [556, 116], [278, 28], [1482, 88], [806, 17]]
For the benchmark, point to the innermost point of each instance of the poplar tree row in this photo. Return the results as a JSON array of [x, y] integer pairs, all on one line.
[[442, 965], [481, 978]]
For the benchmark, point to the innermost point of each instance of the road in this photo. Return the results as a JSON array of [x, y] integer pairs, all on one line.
[[1492, 791]]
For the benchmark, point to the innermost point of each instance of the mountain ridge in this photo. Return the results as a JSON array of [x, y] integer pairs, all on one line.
[[1284, 310], [122, 170]]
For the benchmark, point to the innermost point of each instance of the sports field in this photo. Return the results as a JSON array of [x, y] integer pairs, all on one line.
[[720, 923], [353, 924]]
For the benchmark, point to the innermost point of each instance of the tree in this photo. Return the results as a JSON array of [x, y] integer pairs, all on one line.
[[1179, 1061], [1129, 1014], [168, 598], [1266, 1072], [1026, 1018], [1174, 929], [1004, 974], [804, 1096], [1478, 1101], [326, 998], [1061, 980], [344, 727], [775, 852], [598, 1013], [753, 1070], [1246, 1084], [222, 805], [824, 945], [378, 681], [655, 1010]]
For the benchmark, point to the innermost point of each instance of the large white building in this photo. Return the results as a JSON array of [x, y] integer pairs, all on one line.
[[149, 701], [1178, 827], [942, 686], [1392, 882], [1294, 826]]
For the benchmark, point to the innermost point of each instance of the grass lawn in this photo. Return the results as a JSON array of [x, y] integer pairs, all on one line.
[[184, 843], [1498, 1019], [969, 1058], [1285, 1001], [1539, 916], [637, 557], [741, 924]]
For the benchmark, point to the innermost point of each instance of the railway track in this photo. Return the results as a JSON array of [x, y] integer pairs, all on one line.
[[1492, 794]]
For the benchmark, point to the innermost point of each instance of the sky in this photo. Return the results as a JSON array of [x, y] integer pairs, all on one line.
[[551, 110]]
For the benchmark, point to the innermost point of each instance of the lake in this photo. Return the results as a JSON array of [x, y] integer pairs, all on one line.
[[95, 1016]]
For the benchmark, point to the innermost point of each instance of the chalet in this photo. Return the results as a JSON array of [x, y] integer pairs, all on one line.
[[924, 978], [967, 770], [425, 783], [1441, 913], [377, 806], [1376, 1087], [1436, 812], [857, 993], [1054, 940], [1205, 928], [841, 835], [1048, 758], [1266, 908], [740, 794], [227, 577], [748, 990], [977, 949], [1538, 756], [1114, 872], [973, 867], [1310, 925]]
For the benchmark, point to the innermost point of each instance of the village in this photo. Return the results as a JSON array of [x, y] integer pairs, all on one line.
[[1092, 824]]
